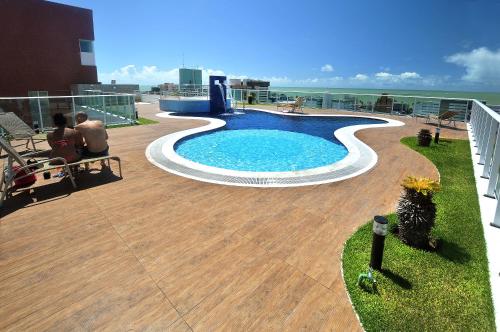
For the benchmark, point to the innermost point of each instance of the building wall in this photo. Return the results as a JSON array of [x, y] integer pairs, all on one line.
[[40, 49]]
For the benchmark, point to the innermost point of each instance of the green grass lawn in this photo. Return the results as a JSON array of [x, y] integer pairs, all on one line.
[[445, 290], [140, 121]]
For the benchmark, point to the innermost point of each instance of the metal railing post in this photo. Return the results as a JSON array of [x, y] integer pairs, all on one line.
[[104, 109], [496, 219], [494, 170], [74, 110], [487, 151], [485, 138], [478, 130], [466, 112], [40, 113], [132, 108], [484, 132]]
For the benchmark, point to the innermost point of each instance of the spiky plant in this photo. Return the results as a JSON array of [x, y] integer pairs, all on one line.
[[416, 211], [424, 137]]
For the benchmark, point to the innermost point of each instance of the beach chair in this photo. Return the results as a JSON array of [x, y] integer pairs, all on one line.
[[12, 172], [17, 129], [293, 106], [445, 116]]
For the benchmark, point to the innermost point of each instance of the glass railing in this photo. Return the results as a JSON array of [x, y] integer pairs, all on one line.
[[418, 106], [115, 109], [186, 91]]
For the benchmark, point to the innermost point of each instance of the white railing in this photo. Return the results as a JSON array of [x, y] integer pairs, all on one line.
[[111, 109], [484, 126], [419, 106], [191, 91]]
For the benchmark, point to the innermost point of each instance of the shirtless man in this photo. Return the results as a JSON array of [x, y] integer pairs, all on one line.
[[95, 135]]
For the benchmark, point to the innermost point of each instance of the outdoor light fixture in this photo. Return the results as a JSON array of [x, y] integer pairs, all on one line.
[[436, 136], [380, 224]]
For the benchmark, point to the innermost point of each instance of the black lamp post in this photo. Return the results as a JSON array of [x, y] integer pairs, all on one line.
[[436, 136], [380, 224]]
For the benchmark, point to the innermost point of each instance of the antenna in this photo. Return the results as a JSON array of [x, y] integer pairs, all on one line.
[[182, 59]]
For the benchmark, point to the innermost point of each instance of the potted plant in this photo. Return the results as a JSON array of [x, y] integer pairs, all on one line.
[[424, 137], [251, 98], [416, 211]]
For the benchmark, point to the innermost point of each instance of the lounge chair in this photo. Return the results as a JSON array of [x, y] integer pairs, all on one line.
[[9, 172], [17, 129], [292, 107], [445, 116]]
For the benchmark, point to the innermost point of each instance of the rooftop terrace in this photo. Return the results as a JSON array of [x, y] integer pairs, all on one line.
[[162, 251]]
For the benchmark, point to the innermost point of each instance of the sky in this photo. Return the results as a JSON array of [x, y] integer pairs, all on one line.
[[425, 44]]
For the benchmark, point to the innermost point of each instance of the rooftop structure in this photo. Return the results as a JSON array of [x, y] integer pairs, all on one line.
[[189, 78]]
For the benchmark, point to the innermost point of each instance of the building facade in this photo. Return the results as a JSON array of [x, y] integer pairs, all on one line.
[[257, 88], [46, 48]]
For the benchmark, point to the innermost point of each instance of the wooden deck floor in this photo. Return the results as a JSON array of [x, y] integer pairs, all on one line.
[[161, 252]]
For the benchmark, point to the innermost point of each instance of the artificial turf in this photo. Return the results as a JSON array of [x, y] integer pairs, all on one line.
[[443, 290]]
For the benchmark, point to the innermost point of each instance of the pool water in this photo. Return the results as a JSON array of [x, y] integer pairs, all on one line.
[[265, 142]]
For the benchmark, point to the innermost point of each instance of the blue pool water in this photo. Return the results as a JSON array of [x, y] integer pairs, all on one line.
[[264, 142]]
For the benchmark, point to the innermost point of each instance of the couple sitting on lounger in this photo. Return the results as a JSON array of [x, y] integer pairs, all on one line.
[[87, 140]]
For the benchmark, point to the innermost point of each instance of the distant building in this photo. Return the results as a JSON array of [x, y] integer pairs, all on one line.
[[249, 83], [189, 78], [82, 89], [46, 48], [262, 88], [168, 87]]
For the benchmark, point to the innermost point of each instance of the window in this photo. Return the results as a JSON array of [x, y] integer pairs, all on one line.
[[86, 46]]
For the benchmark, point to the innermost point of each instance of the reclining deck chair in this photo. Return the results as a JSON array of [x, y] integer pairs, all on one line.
[[294, 106], [17, 129], [10, 173], [445, 116]]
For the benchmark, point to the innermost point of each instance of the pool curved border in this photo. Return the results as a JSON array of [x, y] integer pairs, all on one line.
[[360, 157]]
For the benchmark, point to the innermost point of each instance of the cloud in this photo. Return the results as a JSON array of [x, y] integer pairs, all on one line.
[[409, 75], [360, 77], [481, 65], [144, 75], [395, 78], [151, 75], [327, 68]]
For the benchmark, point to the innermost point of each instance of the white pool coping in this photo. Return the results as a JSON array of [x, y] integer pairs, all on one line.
[[360, 157], [491, 234]]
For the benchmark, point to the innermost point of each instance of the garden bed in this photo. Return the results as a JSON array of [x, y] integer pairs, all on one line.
[[441, 290]]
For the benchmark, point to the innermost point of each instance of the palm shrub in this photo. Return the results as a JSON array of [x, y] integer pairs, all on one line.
[[424, 137], [416, 211]]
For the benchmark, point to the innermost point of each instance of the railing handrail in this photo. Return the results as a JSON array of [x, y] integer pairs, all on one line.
[[73, 96], [357, 94], [491, 112]]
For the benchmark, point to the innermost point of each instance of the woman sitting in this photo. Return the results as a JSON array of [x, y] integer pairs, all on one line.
[[65, 142]]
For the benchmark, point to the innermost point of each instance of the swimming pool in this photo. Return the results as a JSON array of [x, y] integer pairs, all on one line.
[[262, 148], [266, 142]]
